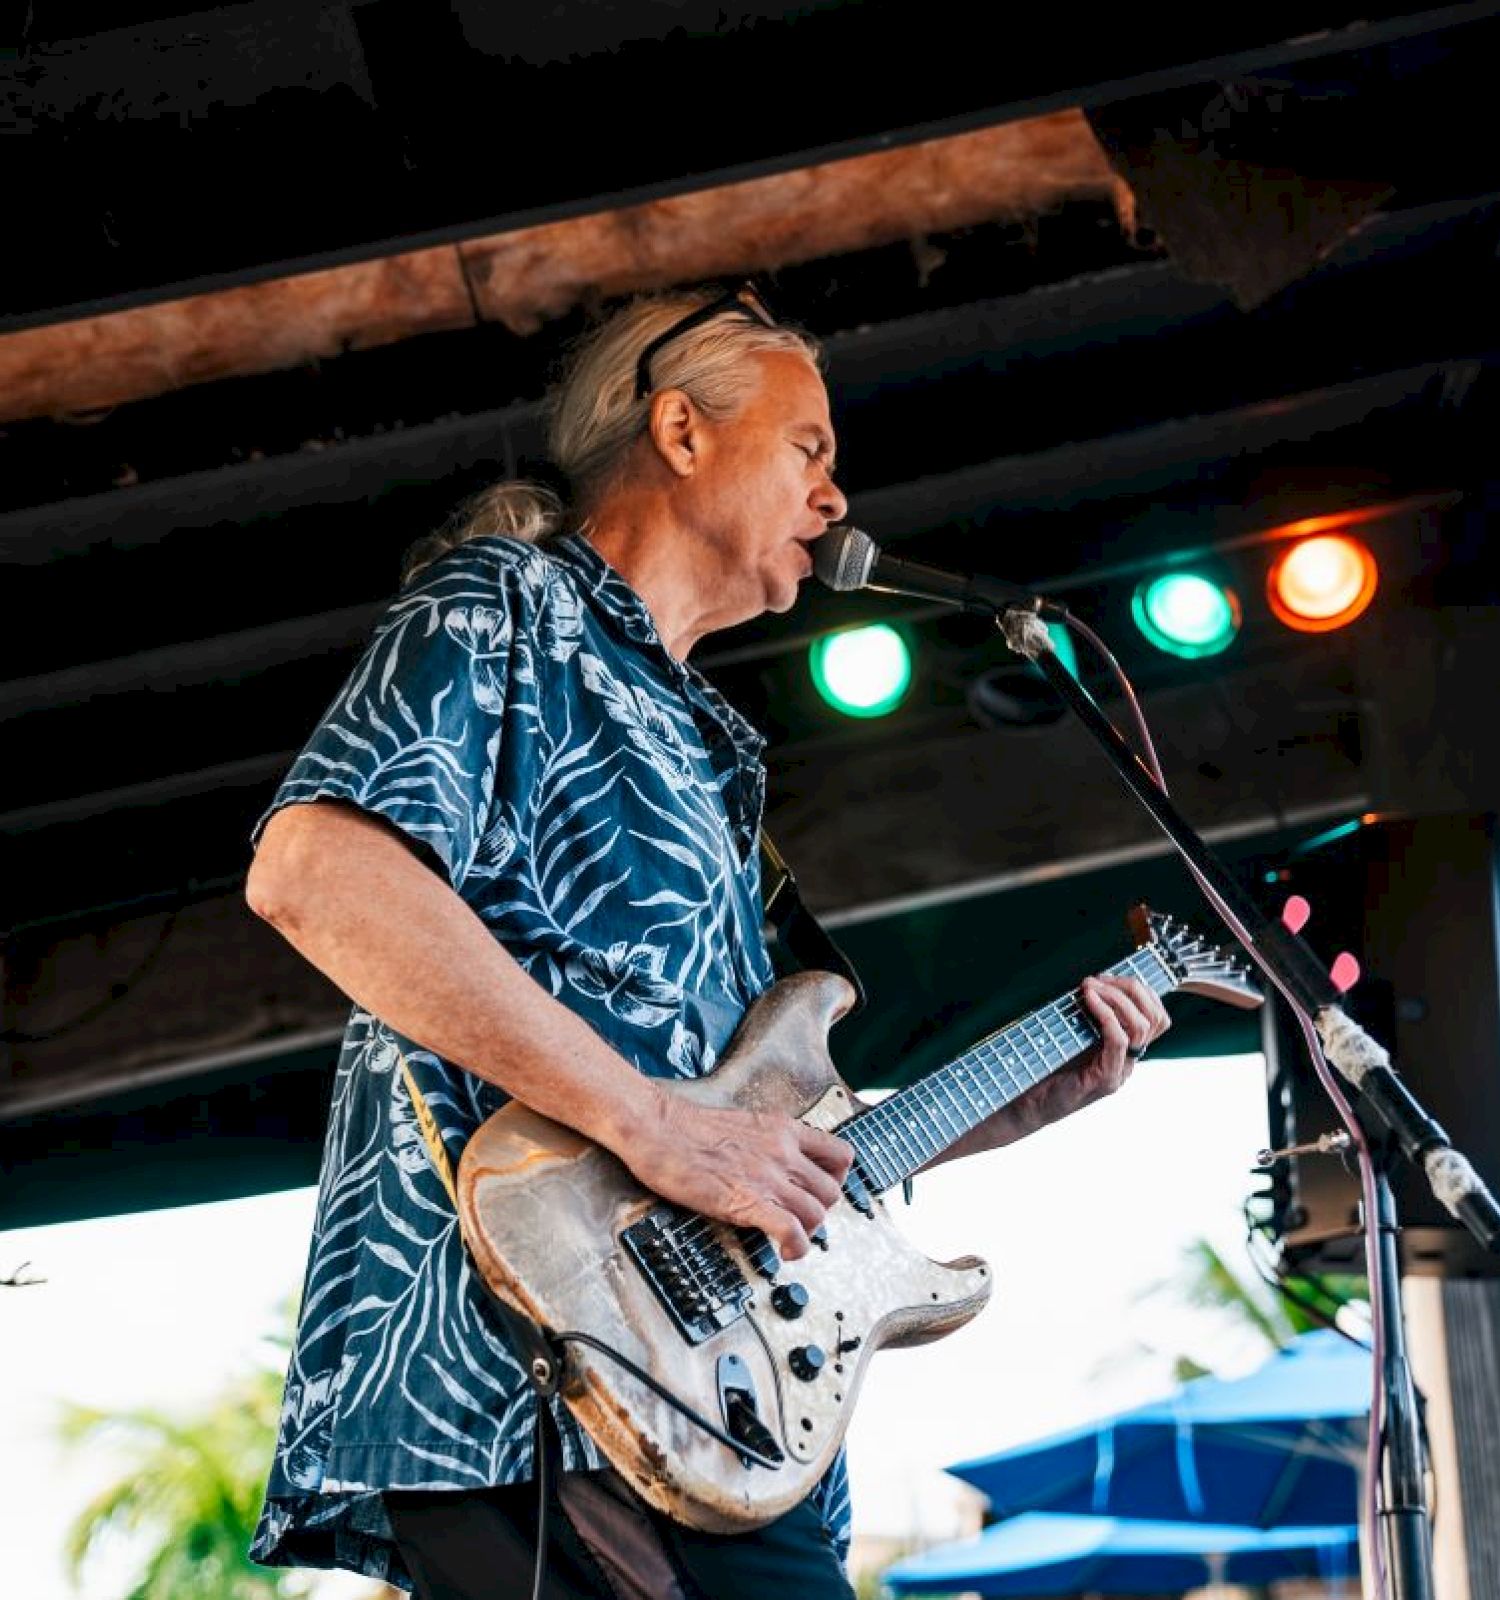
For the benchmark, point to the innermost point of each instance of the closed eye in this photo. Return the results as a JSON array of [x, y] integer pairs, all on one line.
[[818, 452]]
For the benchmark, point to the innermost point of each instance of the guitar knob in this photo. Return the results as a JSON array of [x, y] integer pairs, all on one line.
[[807, 1361], [789, 1300]]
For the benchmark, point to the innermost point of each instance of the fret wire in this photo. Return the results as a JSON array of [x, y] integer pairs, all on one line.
[[918, 1103], [1082, 1025], [912, 1130], [902, 1145], [1024, 1056], [1019, 1073], [1049, 1044], [1028, 1034], [978, 1083], [875, 1164], [961, 1066], [994, 1062], [1053, 1023], [998, 1063], [890, 1171], [972, 1110], [1029, 1031], [868, 1154], [930, 1098], [1025, 1053], [874, 1125], [894, 1144]]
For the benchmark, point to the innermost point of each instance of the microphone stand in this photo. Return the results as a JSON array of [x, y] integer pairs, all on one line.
[[1404, 1532]]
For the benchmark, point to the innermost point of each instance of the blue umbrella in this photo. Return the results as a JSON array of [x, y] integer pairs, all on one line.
[[1282, 1447], [1043, 1553]]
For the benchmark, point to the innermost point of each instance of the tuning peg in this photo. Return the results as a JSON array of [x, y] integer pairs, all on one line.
[[1344, 973], [1295, 914]]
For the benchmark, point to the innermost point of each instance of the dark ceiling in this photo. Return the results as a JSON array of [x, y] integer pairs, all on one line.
[[1053, 399]]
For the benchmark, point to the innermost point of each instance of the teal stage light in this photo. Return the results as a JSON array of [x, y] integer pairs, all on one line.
[[1186, 614], [1062, 645], [862, 672]]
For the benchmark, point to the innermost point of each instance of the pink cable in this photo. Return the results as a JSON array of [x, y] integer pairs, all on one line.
[[1374, 1442]]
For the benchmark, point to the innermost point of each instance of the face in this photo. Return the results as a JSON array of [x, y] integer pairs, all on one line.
[[763, 491]]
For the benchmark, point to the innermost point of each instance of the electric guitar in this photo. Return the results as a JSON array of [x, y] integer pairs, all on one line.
[[771, 1354]]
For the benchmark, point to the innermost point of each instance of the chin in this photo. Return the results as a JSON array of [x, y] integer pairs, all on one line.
[[782, 597]]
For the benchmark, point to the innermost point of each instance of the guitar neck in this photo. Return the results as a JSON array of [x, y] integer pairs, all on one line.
[[904, 1132]]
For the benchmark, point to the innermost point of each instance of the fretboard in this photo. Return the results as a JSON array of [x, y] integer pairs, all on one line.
[[904, 1132]]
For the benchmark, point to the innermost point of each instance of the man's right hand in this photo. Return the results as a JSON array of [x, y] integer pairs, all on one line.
[[753, 1169]]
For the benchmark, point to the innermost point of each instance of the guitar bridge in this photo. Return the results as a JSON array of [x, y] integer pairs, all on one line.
[[691, 1273]]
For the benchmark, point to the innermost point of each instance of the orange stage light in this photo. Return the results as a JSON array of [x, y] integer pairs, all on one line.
[[1322, 583]]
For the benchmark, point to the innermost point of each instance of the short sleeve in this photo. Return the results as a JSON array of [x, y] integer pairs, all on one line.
[[414, 734]]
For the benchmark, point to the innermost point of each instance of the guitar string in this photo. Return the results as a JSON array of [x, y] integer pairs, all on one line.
[[886, 1128], [1068, 1009]]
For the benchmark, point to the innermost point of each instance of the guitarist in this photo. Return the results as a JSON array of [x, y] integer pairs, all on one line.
[[523, 841]]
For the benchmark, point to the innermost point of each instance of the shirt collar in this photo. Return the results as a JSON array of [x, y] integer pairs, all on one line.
[[618, 602], [607, 589]]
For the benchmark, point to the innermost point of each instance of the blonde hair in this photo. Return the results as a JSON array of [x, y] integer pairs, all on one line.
[[594, 416]]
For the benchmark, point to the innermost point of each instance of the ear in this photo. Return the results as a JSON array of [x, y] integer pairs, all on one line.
[[676, 431]]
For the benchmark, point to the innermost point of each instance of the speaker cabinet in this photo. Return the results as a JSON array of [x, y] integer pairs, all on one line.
[[1415, 899]]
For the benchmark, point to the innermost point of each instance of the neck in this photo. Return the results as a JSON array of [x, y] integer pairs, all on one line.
[[903, 1133], [655, 554]]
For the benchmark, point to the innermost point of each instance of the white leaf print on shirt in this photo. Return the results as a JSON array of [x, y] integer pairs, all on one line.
[[485, 633], [628, 979], [646, 725], [560, 625]]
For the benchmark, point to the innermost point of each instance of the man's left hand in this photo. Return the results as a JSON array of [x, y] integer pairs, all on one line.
[[1129, 1016]]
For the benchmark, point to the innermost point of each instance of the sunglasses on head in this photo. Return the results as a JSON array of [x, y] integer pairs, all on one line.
[[745, 301]]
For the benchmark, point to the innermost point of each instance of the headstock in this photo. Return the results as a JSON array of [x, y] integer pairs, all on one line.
[[1196, 966]]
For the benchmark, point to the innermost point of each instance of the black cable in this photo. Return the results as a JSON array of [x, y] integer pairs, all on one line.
[[1256, 1228], [543, 1470], [739, 1447]]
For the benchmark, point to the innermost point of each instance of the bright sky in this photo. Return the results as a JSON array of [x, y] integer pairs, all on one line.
[[1079, 1222]]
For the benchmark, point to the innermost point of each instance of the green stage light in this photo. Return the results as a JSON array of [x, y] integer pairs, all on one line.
[[1062, 645], [1186, 614], [863, 672]]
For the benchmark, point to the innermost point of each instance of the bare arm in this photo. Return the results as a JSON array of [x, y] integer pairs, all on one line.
[[354, 899]]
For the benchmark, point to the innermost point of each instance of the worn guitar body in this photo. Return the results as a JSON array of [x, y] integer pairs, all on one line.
[[544, 1213], [772, 1355]]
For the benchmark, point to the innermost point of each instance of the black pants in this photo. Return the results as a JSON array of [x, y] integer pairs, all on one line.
[[604, 1543]]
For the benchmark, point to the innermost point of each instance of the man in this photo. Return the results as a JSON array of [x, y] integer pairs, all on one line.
[[523, 840]]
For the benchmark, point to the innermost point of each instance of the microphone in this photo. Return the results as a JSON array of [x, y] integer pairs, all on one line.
[[845, 559]]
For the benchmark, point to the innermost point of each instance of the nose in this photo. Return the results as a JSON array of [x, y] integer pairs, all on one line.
[[828, 500]]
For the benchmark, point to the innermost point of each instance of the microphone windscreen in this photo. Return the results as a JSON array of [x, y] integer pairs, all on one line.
[[843, 557]]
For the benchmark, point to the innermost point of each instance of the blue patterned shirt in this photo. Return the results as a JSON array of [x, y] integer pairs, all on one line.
[[597, 804]]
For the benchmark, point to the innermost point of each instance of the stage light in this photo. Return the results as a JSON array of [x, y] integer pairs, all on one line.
[[1322, 583], [862, 672], [1186, 614], [1063, 647]]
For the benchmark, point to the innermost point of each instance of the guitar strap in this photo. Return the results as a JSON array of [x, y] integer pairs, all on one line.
[[541, 1357], [799, 932]]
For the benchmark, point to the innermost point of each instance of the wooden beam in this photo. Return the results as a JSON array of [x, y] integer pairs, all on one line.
[[525, 278]]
